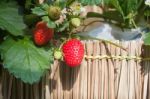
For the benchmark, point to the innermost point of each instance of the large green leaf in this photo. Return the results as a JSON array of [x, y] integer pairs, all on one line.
[[147, 39], [10, 19], [41, 10], [24, 60]]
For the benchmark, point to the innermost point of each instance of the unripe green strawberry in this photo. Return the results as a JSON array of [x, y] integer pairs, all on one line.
[[75, 22], [54, 12], [42, 34], [73, 52], [57, 54]]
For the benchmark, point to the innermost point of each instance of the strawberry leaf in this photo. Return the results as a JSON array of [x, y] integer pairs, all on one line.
[[40, 10], [63, 26], [24, 60], [10, 19], [50, 23]]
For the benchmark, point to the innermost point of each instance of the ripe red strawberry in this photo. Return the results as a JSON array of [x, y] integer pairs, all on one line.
[[42, 34], [41, 24], [73, 52]]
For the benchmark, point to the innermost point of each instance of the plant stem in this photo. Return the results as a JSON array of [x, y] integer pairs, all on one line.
[[133, 22], [117, 45]]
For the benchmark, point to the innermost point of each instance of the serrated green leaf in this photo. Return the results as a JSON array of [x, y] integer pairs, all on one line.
[[69, 2], [50, 23], [10, 19], [146, 39], [44, 6], [117, 5], [24, 60], [61, 3], [39, 11], [63, 26], [90, 2], [45, 18]]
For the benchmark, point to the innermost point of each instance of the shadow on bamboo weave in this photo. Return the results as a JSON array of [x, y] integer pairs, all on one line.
[[145, 71], [145, 55], [67, 76]]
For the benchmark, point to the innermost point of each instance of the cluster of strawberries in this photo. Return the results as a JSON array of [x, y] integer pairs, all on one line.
[[72, 50]]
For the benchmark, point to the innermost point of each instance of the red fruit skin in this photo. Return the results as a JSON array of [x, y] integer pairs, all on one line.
[[41, 24], [73, 52], [39, 37], [42, 34]]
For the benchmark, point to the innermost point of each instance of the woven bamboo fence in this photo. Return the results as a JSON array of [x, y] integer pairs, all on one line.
[[107, 72]]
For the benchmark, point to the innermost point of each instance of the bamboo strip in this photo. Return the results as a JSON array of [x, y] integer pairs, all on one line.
[[148, 86], [13, 89], [103, 72], [36, 93], [145, 84], [148, 91], [117, 70], [51, 78], [60, 88], [81, 85], [26, 91], [123, 80], [105, 69], [4, 84], [10, 87], [93, 70], [42, 88], [67, 82], [47, 89], [137, 74], [131, 72], [21, 90], [89, 52], [54, 82], [100, 73], [1, 97], [83, 79], [111, 63], [96, 84]]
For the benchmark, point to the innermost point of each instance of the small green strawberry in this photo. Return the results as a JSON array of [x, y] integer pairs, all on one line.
[[57, 54], [54, 12], [75, 22]]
